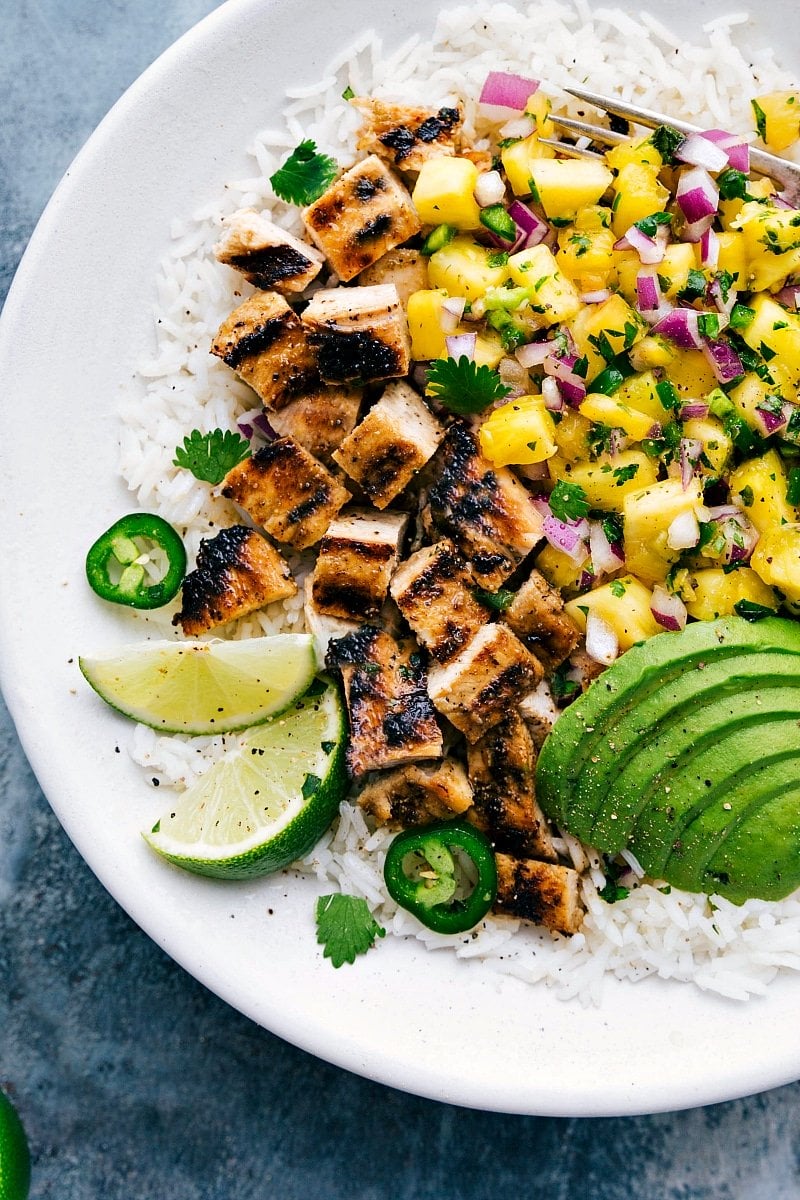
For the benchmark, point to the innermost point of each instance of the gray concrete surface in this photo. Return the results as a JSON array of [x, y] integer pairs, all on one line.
[[134, 1081]]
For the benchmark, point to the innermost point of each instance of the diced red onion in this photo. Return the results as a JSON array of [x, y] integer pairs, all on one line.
[[606, 557], [490, 189], [693, 231], [697, 195], [700, 151], [740, 536], [452, 312], [502, 89], [650, 249], [602, 643], [532, 225], [681, 327], [789, 297], [771, 422], [551, 393], [723, 359], [709, 249], [533, 354], [572, 386], [245, 429], [668, 609], [736, 149], [257, 423], [513, 375], [518, 127], [461, 345], [694, 409], [617, 442], [720, 512], [780, 200], [649, 300], [595, 297], [724, 306], [684, 531], [567, 536], [690, 451]]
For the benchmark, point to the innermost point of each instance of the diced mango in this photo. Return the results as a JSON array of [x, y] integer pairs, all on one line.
[[539, 106], [592, 218], [713, 593], [601, 331], [610, 410], [571, 434], [624, 604], [444, 192], [559, 569], [425, 323], [585, 253], [771, 238], [679, 259], [759, 485], [690, 374], [779, 331], [652, 351], [639, 393], [748, 396], [730, 209], [520, 432], [776, 559], [565, 185], [517, 159], [648, 514], [733, 256], [489, 350], [717, 446], [608, 481], [463, 268], [537, 270], [778, 118], [638, 150], [638, 195]]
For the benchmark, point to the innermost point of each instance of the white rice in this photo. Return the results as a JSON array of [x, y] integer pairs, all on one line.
[[734, 951]]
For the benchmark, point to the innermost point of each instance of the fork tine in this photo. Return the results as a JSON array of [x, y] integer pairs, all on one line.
[[596, 132], [571, 151]]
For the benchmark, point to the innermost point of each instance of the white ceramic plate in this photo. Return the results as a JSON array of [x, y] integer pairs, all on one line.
[[75, 324]]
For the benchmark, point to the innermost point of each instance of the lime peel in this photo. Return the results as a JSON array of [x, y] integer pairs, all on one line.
[[15, 1159]]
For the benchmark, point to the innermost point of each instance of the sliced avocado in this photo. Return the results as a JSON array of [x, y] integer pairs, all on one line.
[[674, 732]]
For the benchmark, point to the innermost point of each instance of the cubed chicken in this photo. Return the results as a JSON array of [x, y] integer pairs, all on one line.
[[544, 893], [583, 668], [435, 593], [418, 795], [364, 213], [267, 255], [405, 268], [323, 629], [406, 135], [237, 572], [537, 617], [320, 420], [501, 770], [355, 562], [397, 437], [392, 721], [476, 690], [266, 343], [359, 333], [287, 492], [539, 712], [484, 509]]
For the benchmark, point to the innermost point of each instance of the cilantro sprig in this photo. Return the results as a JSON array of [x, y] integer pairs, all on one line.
[[305, 175], [464, 387], [345, 927], [568, 501], [209, 456]]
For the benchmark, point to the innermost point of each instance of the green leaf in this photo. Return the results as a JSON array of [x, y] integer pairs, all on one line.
[[752, 611], [666, 141], [623, 474], [348, 93], [613, 892], [209, 456], [345, 927], [310, 785], [793, 486], [618, 588], [464, 387], [732, 184], [568, 501], [499, 601], [305, 175], [761, 120], [649, 225]]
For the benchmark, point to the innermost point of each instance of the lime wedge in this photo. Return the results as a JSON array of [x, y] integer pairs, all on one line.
[[268, 800], [204, 687], [15, 1161]]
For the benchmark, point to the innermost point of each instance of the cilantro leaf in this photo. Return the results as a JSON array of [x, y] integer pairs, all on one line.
[[345, 927], [752, 611], [305, 175], [612, 892], [568, 501], [464, 387], [623, 474], [732, 184], [666, 141], [649, 225], [209, 456], [761, 120], [499, 600], [793, 486]]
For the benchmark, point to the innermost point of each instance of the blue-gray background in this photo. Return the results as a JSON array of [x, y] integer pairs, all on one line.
[[133, 1081]]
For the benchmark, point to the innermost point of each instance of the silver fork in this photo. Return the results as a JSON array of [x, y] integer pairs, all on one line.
[[786, 173]]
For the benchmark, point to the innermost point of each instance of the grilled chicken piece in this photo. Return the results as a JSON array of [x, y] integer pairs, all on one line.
[[537, 616], [584, 668], [538, 711], [360, 333], [391, 717], [434, 591], [405, 268], [266, 343], [397, 437], [323, 629], [418, 795], [476, 690], [287, 492], [501, 770], [237, 572], [407, 136], [545, 893], [364, 213], [484, 509], [320, 420], [267, 255], [355, 563]]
